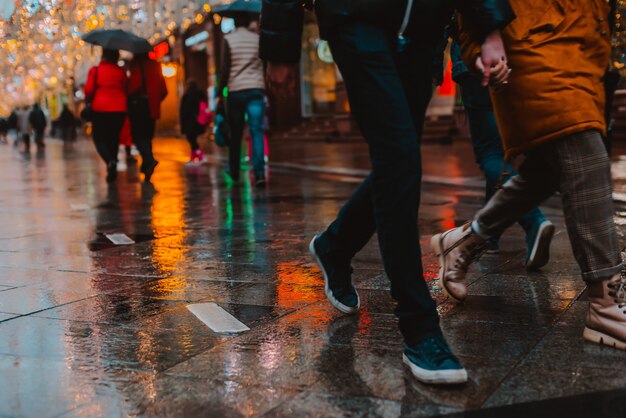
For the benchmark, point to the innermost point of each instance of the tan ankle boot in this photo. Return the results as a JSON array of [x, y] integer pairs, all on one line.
[[457, 249], [606, 319]]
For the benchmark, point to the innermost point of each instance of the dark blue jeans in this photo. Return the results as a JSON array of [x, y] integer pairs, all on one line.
[[241, 104], [487, 142], [389, 93]]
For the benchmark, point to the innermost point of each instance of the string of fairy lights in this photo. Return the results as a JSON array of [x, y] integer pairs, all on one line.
[[618, 60], [40, 40]]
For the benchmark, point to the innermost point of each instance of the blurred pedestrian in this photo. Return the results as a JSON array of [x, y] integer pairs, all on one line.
[[12, 120], [39, 123], [4, 130], [68, 123], [106, 89], [189, 125], [22, 127], [489, 155], [551, 114], [147, 90], [385, 52], [241, 72]]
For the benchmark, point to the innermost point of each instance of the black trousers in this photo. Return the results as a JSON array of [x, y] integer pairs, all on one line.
[[107, 127], [389, 93], [26, 140], [142, 128], [192, 138], [39, 136]]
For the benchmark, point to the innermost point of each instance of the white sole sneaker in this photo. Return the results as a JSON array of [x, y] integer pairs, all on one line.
[[540, 254], [436, 377], [333, 301], [597, 337], [435, 244]]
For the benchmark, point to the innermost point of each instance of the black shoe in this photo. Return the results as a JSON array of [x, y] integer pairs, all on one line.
[[260, 181], [111, 172], [338, 281], [431, 361], [148, 170]]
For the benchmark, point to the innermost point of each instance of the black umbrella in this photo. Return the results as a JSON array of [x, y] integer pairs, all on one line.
[[118, 39], [239, 6]]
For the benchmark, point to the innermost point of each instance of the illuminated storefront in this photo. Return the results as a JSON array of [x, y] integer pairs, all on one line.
[[318, 74]]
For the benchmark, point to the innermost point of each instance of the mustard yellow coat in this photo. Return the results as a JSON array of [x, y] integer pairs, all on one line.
[[559, 51]]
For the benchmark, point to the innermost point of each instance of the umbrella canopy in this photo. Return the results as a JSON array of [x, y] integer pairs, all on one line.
[[239, 6], [118, 39]]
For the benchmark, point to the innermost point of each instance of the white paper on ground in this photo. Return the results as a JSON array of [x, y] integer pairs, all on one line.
[[80, 206], [120, 239], [217, 318]]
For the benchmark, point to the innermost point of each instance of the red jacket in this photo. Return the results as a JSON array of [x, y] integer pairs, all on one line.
[[111, 91], [152, 77]]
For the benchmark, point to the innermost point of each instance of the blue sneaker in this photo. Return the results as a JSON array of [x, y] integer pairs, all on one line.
[[337, 281], [431, 361], [538, 240]]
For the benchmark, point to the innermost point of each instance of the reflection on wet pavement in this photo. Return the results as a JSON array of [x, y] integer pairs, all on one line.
[[88, 328]]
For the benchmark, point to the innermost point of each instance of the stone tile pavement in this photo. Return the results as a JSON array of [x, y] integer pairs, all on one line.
[[91, 329]]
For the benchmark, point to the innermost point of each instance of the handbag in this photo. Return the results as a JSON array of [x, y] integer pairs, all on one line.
[[86, 115], [138, 103], [204, 115]]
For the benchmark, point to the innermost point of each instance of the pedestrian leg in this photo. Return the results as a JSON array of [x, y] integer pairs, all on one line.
[[254, 111], [487, 145], [26, 140], [391, 195], [39, 139], [115, 122], [586, 190], [142, 129], [518, 195], [100, 133], [236, 120], [192, 138]]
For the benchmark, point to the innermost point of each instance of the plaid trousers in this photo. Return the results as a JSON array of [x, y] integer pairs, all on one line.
[[579, 168]]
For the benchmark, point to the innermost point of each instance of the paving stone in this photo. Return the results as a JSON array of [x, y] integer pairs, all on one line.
[[26, 300]]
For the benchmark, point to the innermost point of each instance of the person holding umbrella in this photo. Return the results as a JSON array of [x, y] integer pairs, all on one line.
[[147, 90], [106, 89]]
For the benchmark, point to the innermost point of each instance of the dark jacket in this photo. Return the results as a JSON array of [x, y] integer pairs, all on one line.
[[12, 120], [37, 119], [189, 109], [147, 76], [67, 118], [282, 20]]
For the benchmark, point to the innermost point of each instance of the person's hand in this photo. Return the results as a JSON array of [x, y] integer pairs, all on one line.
[[492, 62], [281, 79], [496, 76]]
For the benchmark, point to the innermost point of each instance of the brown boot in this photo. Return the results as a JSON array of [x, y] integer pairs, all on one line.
[[606, 319], [457, 249]]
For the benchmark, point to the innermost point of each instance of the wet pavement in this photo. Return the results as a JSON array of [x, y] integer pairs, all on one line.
[[88, 328]]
